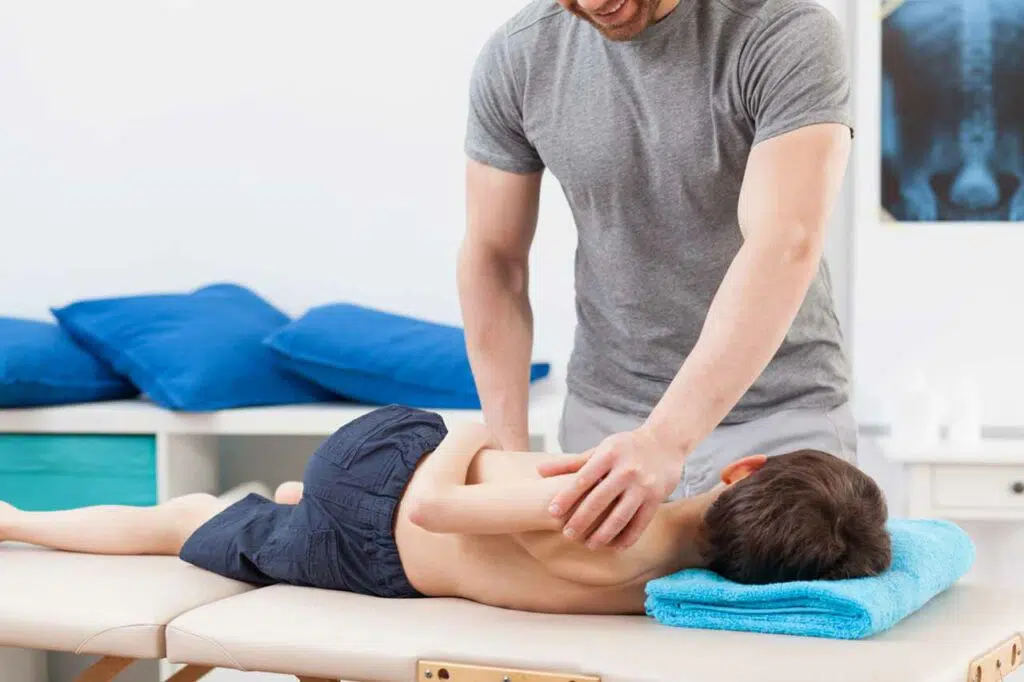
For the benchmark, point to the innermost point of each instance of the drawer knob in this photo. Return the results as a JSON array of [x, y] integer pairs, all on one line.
[[1017, 488]]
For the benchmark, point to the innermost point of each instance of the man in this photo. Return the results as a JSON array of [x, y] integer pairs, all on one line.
[[701, 145]]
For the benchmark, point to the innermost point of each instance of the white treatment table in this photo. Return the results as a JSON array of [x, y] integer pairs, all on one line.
[[116, 607], [150, 607]]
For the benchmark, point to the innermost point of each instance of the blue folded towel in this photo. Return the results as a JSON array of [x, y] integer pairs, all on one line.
[[928, 556]]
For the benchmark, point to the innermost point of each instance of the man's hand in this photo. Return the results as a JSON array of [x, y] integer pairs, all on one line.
[[622, 481]]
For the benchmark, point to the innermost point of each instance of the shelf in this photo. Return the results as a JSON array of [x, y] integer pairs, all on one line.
[[140, 416], [991, 451]]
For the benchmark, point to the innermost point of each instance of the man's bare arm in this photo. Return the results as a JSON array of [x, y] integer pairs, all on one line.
[[493, 282], [787, 196]]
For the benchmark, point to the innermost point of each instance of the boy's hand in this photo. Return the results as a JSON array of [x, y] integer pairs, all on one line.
[[624, 478]]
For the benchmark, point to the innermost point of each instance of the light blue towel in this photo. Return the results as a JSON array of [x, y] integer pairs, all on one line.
[[928, 556]]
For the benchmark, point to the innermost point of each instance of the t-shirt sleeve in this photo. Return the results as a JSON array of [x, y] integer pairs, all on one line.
[[495, 133], [795, 73]]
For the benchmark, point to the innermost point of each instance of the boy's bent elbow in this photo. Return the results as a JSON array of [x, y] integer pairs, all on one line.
[[427, 511]]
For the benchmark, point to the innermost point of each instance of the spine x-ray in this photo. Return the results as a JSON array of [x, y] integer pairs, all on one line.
[[953, 110]]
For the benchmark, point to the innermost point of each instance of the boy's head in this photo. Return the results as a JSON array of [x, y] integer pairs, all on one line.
[[804, 515]]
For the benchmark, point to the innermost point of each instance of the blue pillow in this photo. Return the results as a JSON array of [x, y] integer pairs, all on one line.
[[196, 352], [41, 365], [381, 358]]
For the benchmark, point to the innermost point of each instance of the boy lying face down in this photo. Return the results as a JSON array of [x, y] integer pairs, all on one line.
[[395, 505]]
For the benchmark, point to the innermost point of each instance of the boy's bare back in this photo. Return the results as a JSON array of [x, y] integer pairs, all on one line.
[[529, 569]]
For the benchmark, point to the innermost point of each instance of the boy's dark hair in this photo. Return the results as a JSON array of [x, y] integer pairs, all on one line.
[[805, 515]]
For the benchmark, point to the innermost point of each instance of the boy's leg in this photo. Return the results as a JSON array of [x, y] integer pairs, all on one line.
[[162, 529]]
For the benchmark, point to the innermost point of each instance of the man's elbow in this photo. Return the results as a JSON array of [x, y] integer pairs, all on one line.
[[480, 266], [804, 249], [801, 243]]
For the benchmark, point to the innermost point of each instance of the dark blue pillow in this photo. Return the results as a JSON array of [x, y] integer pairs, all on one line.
[[381, 358], [41, 365], [196, 351]]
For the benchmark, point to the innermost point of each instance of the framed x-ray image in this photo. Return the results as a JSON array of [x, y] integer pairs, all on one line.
[[952, 119]]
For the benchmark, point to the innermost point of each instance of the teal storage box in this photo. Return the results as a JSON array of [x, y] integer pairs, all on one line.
[[55, 472]]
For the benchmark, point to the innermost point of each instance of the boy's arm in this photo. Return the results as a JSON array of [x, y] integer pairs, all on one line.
[[488, 508], [448, 505]]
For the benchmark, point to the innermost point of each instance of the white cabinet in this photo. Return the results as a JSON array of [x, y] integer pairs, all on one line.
[[984, 483]]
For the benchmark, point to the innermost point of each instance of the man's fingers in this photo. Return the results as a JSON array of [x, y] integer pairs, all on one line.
[[635, 528], [593, 471], [558, 466], [623, 514], [595, 504]]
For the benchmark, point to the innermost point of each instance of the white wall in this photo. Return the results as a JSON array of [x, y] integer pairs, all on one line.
[[310, 149]]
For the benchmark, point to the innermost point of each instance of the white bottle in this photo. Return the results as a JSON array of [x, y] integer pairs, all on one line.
[[916, 415], [965, 412]]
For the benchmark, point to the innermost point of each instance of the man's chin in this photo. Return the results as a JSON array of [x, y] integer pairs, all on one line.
[[620, 35], [626, 31]]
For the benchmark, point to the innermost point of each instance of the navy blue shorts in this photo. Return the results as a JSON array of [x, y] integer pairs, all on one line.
[[340, 536]]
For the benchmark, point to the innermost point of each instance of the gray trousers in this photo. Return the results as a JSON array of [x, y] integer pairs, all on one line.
[[584, 425]]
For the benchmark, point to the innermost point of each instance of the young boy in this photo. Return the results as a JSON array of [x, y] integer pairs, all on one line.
[[395, 505]]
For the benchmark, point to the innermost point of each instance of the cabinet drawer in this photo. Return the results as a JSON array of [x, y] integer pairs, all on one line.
[[986, 487], [52, 472]]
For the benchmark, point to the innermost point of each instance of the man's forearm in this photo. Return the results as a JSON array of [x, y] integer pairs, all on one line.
[[498, 321], [746, 324]]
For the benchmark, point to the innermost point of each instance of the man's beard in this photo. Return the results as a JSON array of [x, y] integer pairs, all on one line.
[[641, 15]]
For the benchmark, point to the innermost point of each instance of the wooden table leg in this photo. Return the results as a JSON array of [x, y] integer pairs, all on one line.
[[190, 673], [105, 669]]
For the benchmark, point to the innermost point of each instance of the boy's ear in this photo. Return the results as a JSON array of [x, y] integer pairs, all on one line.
[[741, 468]]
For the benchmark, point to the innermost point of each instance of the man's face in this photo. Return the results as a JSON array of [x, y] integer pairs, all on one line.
[[616, 19]]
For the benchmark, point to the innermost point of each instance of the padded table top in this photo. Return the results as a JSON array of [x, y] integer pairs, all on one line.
[[89, 604], [337, 635]]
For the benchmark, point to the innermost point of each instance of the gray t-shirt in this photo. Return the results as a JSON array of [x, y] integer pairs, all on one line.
[[649, 140]]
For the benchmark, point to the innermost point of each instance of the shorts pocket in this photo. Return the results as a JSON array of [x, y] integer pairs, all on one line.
[[359, 439], [278, 554], [322, 556]]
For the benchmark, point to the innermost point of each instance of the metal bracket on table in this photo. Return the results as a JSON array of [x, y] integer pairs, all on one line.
[[997, 663], [443, 671]]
